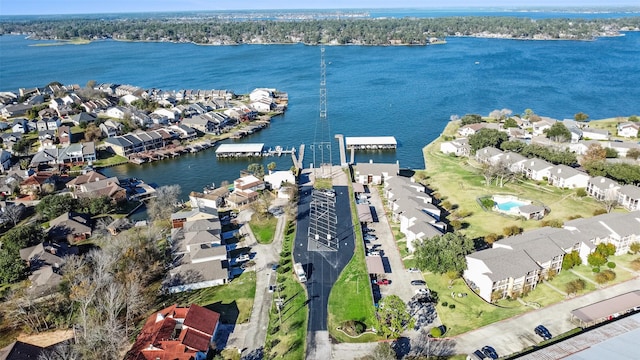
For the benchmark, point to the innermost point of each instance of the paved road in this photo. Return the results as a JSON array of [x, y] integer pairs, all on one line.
[[322, 267], [251, 336]]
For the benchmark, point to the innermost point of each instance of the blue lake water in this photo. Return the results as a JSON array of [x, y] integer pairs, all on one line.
[[406, 92]]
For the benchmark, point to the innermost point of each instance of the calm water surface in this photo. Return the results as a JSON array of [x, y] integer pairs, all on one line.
[[406, 92]]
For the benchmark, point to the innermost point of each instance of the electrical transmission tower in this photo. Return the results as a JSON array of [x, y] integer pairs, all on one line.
[[322, 157]]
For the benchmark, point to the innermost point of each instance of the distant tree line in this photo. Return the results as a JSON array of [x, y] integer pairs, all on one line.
[[204, 30]]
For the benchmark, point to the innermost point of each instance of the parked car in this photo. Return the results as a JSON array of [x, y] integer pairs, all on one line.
[[413, 270], [382, 282], [243, 257], [370, 237], [422, 291], [476, 355], [418, 282], [490, 352], [543, 332], [368, 230], [373, 253], [272, 288], [274, 267]]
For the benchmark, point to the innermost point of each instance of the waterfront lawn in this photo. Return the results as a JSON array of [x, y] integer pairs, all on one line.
[[457, 181], [233, 300], [286, 339], [264, 229], [351, 297], [106, 159], [470, 312]]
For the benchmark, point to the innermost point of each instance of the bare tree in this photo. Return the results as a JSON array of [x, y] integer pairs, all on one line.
[[165, 202], [62, 351], [13, 213]]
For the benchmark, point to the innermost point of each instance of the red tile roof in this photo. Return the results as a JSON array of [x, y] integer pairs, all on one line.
[[202, 319], [158, 337]]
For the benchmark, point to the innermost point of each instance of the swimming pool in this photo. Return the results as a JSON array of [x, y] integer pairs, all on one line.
[[507, 206]]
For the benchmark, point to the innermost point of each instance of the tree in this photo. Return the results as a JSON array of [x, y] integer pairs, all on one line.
[[510, 123], [570, 260], [393, 317], [513, 145], [486, 137], [91, 84], [52, 206], [271, 166], [92, 133], [634, 248], [558, 132], [12, 267], [581, 116], [470, 119], [633, 154], [22, 146], [13, 213], [611, 153], [163, 204], [443, 253], [256, 170], [21, 237], [596, 259], [383, 351], [595, 153]]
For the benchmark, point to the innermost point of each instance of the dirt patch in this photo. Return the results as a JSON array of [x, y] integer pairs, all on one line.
[[46, 338]]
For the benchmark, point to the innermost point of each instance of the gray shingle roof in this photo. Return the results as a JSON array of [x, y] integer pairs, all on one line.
[[504, 263]]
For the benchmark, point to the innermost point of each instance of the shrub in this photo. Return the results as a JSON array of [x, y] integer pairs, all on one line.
[[581, 192], [634, 248], [611, 265], [353, 327], [597, 212], [456, 224], [436, 332], [487, 203], [635, 264], [605, 276], [512, 230], [444, 303], [491, 238], [574, 286], [554, 223], [452, 306], [446, 205], [595, 269]]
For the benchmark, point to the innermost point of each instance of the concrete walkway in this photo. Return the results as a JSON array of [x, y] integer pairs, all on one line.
[[598, 286], [554, 288], [251, 336]]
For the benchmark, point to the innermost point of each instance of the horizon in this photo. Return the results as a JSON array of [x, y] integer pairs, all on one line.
[[75, 7]]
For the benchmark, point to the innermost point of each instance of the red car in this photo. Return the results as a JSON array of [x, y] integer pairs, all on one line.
[[382, 282]]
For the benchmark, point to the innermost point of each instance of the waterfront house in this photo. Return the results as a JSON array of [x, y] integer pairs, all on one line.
[[458, 147], [148, 143], [536, 169], [201, 123], [263, 105], [136, 143], [89, 152], [629, 197], [119, 145], [248, 183], [213, 199], [564, 176], [91, 176], [71, 154], [471, 129], [184, 132], [275, 179], [489, 155], [539, 127], [374, 174], [111, 128], [602, 188], [628, 129], [70, 226], [176, 333], [105, 187], [595, 134]]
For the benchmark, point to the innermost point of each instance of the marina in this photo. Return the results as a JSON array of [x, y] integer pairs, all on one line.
[[171, 151], [371, 143]]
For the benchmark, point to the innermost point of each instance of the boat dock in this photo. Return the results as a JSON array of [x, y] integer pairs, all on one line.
[[170, 151], [250, 150], [371, 143]]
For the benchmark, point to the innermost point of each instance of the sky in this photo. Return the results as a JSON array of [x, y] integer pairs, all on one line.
[[48, 7]]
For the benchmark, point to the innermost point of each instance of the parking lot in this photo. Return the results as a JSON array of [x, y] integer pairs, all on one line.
[[400, 279]]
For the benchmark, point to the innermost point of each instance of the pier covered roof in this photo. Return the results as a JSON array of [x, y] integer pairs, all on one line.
[[240, 148], [371, 140]]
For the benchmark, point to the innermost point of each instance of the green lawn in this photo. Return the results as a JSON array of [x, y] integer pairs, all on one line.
[[469, 185], [106, 159], [264, 229], [470, 312], [564, 277], [233, 300], [351, 297], [287, 339]]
